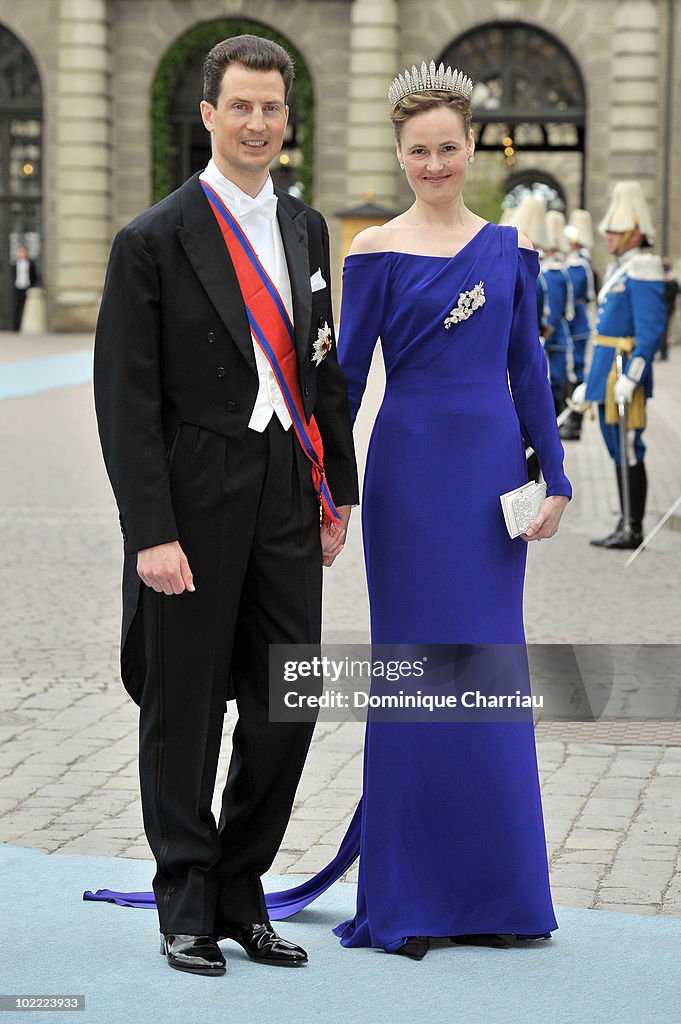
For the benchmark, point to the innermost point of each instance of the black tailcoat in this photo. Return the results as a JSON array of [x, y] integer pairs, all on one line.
[[173, 346]]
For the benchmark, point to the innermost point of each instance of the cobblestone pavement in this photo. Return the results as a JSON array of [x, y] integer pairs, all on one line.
[[68, 775]]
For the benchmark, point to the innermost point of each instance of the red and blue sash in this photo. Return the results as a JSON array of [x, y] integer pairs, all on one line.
[[273, 331]]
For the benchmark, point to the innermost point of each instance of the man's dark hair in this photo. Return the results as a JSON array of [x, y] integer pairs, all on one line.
[[251, 52]]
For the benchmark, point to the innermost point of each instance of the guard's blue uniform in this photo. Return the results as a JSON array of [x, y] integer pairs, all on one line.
[[631, 306], [555, 289], [581, 276]]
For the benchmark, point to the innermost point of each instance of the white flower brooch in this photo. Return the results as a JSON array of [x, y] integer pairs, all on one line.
[[322, 345], [467, 304]]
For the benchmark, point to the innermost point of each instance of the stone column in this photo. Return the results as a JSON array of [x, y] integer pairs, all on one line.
[[637, 96], [374, 58], [81, 181]]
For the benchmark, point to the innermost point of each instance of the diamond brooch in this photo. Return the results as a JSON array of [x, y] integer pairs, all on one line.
[[466, 305]]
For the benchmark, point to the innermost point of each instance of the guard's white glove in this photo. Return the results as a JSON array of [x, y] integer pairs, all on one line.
[[577, 400], [624, 389]]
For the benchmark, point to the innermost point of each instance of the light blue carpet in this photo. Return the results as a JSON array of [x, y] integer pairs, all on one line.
[[600, 968], [31, 376]]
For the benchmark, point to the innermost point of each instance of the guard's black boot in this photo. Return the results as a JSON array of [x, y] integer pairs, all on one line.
[[638, 487], [604, 542], [571, 430], [621, 539], [638, 490]]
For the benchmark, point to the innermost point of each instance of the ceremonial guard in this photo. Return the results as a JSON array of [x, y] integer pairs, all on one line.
[[529, 217], [630, 322], [558, 306], [579, 237]]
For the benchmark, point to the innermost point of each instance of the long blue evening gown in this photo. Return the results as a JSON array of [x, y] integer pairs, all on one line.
[[449, 829]]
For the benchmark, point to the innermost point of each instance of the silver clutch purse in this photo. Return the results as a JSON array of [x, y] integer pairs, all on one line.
[[521, 506]]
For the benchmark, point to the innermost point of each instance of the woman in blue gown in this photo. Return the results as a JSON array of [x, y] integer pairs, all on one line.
[[449, 829]]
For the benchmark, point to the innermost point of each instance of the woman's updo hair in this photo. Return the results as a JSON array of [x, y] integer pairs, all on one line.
[[419, 102]]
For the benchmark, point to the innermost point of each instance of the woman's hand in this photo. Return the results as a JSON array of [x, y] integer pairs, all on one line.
[[547, 519]]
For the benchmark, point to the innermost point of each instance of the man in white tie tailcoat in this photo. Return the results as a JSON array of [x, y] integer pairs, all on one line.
[[218, 508]]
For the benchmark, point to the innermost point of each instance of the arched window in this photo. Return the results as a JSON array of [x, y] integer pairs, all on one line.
[[534, 183], [181, 143], [529, 93], [20, 162]]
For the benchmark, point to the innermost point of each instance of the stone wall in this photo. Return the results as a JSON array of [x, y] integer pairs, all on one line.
[[143, 32], [98, 59], [674, 138], [39, 38], [600, 35], [82, 222]]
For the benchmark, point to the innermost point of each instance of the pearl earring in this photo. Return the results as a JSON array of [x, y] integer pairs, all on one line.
[[401, 166], [471, 159]]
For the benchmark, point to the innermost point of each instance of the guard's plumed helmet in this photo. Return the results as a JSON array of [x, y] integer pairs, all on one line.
[[530, 220], [628, 210], [580, 230], [555, 230], [508, 215]]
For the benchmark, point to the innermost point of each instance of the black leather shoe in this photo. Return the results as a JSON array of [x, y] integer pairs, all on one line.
[[604, 541], [197, 954], [620, 540], [415, 947], [495, 941], [262, 944]]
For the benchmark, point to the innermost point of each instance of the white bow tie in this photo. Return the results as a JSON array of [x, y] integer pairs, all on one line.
[[266, 206]]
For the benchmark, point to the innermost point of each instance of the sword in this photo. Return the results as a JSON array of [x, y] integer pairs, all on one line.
[[658, 526], [624, 462]]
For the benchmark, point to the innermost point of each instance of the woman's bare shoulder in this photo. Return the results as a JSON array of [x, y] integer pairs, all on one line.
[[524, 242], [373, 239]]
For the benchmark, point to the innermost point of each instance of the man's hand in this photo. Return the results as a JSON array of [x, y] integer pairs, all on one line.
[[547, 520], [333, 537], [165, 569], [624, 389], [577, 400]]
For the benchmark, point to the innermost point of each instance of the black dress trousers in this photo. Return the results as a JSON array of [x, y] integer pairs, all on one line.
[[18, 311], [248, 519]]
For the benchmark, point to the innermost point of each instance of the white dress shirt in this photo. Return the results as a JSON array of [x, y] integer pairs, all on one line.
[[22, 279], [257, 219]]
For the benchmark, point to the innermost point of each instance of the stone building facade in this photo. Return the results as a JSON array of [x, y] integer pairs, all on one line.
[[596, 77]]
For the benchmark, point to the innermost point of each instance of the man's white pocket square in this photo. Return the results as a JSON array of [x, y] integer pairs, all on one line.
[[317, 282]]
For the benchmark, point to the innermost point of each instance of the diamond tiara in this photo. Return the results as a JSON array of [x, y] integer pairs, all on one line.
[[429, 78]]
